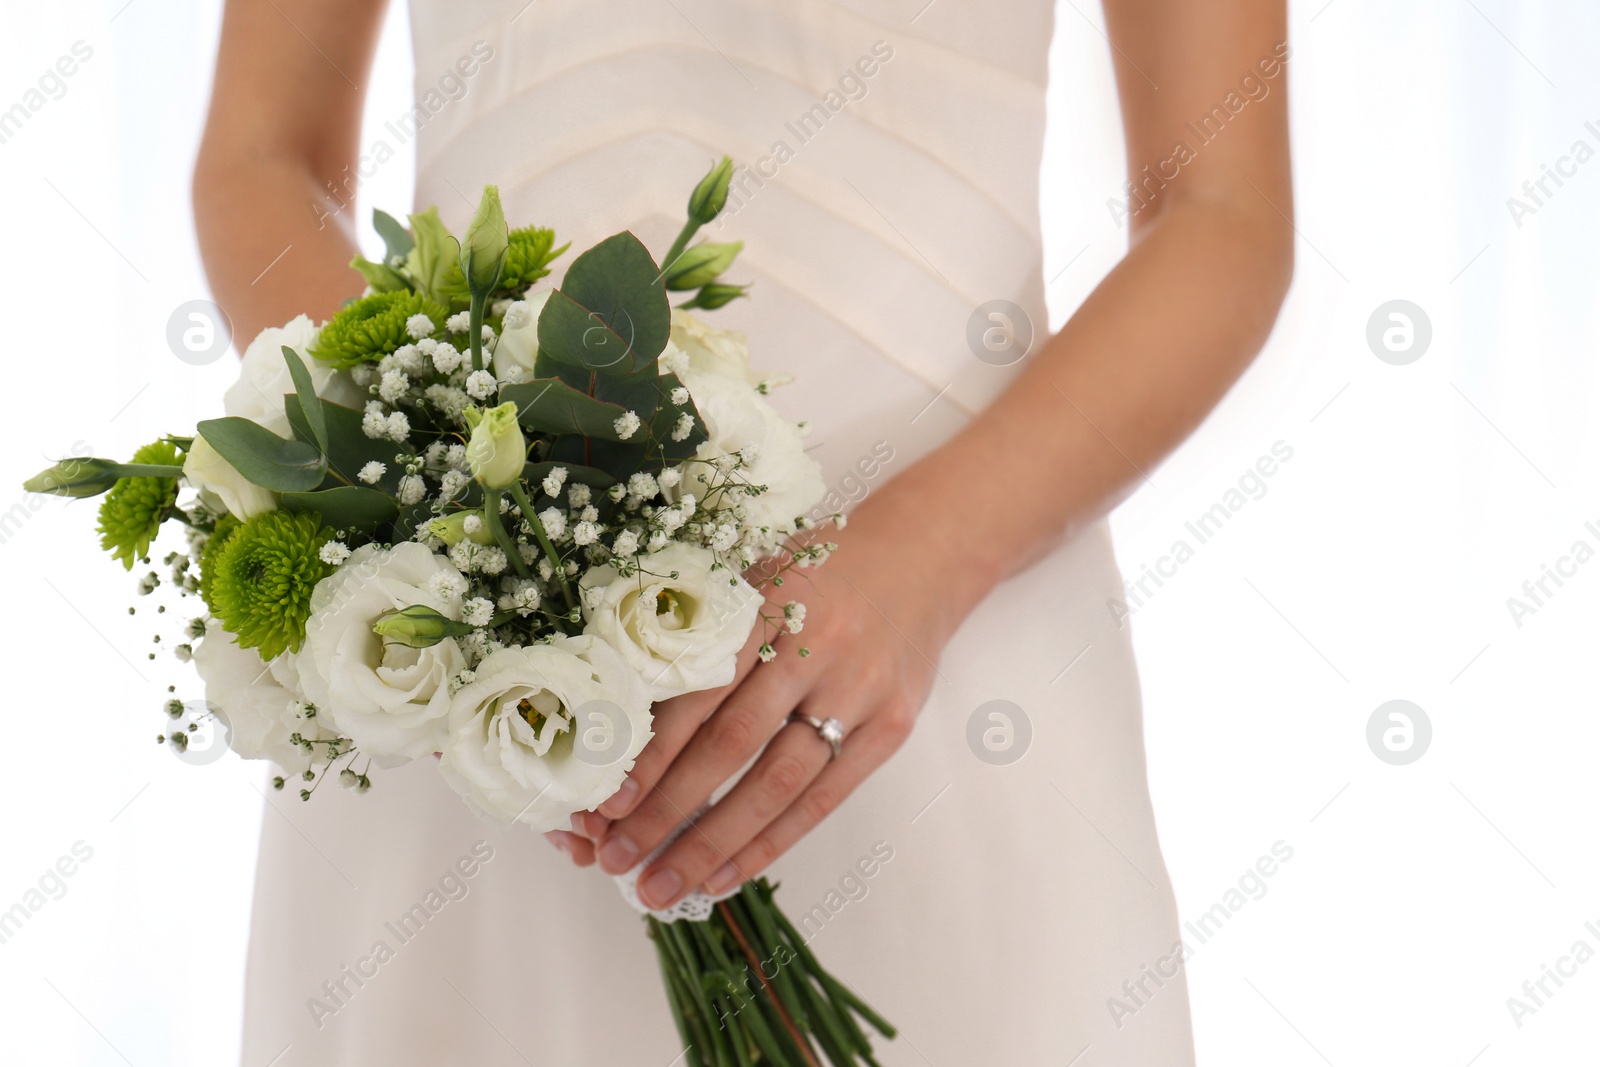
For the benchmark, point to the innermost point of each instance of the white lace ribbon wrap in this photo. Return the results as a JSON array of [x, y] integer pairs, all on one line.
[[695, 906]]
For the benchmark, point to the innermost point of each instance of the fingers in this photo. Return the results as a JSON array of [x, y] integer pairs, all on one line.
[[864, 751], [790, 763], [581, 851], [740, 727], [675, 721]]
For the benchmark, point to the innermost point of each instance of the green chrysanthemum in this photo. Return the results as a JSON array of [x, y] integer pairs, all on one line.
[[132, 512], [373, 327], [528, 257], [225, 528], [263, 576]]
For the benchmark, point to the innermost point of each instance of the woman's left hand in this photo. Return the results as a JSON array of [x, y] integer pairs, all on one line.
[[873, 638]]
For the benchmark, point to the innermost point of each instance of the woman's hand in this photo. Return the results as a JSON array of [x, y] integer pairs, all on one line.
[[873, 641]]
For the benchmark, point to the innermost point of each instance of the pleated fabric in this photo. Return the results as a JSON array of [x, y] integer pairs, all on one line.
[[1017, 910]]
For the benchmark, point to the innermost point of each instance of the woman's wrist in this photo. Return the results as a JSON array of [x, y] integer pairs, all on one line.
[[908, 542]]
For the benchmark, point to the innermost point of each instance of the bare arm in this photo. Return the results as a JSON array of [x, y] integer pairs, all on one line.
[[1143, 361], [285, 121], [1170, 329]]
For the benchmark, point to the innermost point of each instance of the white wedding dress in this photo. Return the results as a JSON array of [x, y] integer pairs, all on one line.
[[1020, 897]]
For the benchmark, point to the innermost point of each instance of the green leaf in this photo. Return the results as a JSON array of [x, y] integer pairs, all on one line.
[[397, 240], [264, 458], [348, 448], [610, 316], [307, 392], [551, 406], [432, 262], [346, 507], [380, 276]]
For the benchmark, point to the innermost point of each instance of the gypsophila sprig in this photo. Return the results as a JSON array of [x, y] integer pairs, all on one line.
[[460, 516]]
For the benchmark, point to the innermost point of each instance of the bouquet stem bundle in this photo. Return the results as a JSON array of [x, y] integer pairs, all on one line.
[[745, 990]]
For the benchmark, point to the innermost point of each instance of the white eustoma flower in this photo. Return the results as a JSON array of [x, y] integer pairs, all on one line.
[[390, 699], [682, 634], [738, 418], [264, 377], [258, 701], [518, 347], [545, 730], [206, 470], [708, 350]]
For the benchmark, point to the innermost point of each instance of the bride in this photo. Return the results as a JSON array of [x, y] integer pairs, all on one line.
[[979, 858]]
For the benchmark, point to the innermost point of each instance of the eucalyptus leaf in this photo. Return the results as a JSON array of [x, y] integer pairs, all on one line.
[[348, 448], [262, 457], [346, 507], [666, 421], [397, 240], [307, 392], [610, 316], [550, 405]]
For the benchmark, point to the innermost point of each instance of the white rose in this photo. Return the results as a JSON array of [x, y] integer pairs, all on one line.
[[516, 350], [258, 701], [264, 377], [737, 417], [682, 634], [528, 741], [709, 350], [206, 470], [390, 699]]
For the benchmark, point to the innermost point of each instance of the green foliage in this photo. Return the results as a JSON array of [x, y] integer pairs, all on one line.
[[529, 256], [134, 508], [610, 315], [263, 576], [373, 327], [262, 457], [433, 261], [346, 507], [551, 406]]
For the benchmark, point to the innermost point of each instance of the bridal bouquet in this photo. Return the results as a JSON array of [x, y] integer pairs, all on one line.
[[470, 519]]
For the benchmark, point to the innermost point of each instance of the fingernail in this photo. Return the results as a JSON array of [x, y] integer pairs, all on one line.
[[589, 825], [618, 854], [661, 888], [561, 843], [726, 878], [618, 805]]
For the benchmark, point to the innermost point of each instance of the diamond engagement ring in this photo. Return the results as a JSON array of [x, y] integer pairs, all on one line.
[[830, 730]]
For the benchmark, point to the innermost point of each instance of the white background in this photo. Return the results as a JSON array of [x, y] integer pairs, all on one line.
[[1376, 566]]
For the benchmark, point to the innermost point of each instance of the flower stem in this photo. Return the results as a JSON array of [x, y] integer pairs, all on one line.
[[491, 515], [684, 235], [526, 507], [475, 329]]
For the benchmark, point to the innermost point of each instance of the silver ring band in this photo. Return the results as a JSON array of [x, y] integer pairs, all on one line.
[[830, 730]]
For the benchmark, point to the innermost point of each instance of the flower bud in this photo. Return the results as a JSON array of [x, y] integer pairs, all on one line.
[[75, 477], [701, 265], [712, 193], [715, 295], [452, 529], [418, 626], [496, 451], [483, 249]]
